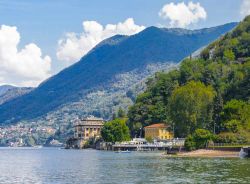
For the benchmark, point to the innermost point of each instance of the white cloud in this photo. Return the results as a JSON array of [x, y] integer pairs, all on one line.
[[245, 8], [181, 14], [74, 46], [25, 67]]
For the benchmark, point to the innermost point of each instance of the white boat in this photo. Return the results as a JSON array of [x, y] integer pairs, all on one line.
[[38, 147], [127, 151]]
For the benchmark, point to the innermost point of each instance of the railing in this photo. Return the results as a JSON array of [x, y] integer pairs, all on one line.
[[211, 145], [170, 143], [140, 145]]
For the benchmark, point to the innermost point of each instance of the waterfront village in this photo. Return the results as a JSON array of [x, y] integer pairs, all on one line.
[[87, 129], [87, 134], [157, 137], [84, 130]]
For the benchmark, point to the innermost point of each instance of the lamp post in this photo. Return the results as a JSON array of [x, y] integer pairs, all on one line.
[[140, 132]]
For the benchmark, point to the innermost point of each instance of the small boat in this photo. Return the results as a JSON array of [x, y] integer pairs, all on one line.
[[127, 151], [38, 147]]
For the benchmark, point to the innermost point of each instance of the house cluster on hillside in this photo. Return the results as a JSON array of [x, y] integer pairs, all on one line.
[[20, 134]]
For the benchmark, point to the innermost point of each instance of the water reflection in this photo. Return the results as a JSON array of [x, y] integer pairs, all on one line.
[[90, 166]]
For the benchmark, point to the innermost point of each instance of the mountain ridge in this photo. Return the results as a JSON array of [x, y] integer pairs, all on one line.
[[8, 92], [97, 69]]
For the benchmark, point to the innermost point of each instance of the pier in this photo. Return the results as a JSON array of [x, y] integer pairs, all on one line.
[[143, 147]]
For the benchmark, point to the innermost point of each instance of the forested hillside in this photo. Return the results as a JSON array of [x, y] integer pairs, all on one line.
[[211, 92], [105, 79]]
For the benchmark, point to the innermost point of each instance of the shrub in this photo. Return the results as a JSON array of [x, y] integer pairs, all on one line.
[[226, 137], [198, 140], [233, 126], [202, 137], [189, 143], [115, 131]]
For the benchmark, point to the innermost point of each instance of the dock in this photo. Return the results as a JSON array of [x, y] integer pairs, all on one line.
[[143, 147]]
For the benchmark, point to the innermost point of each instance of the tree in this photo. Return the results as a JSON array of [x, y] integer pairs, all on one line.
[[198, 139], [229, 55], [217, 107], [233, 125], [191, 70], [202, 137], [115, 131], [151, 106], [189, 143], [191, 107], [237, 110], [121, 113]]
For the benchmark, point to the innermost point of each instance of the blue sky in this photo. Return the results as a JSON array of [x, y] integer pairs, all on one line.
[[45, 22]]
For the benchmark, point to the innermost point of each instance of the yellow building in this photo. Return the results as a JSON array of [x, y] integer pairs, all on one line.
[[88, 128], [158, 131]]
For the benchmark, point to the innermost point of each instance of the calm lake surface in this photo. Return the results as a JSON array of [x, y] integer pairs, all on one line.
[[58, 166]]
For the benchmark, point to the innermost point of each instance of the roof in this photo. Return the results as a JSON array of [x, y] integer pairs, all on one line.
[[89, 121], [158, 125], [92, 118]]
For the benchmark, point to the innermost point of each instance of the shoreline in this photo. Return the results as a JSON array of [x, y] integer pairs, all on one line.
[[203, 153]]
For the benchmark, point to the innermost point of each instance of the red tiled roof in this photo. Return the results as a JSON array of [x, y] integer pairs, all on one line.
[[158, 125]]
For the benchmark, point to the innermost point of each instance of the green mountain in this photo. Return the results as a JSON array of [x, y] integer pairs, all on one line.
[[109, 76], [209, 92]]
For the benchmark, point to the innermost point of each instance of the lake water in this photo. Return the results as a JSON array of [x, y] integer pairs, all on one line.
[[58, 166]]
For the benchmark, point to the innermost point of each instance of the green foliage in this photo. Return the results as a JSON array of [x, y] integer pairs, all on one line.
[[202, 92], [236, 115], [226, 137], [229, 54], [241, 137], [121, 113], [151, 106], [198, 139], [30, 141], [201, 138], [149, 139], [191, 70], [115, 131], [233, 125], [191, 107], [189, 143]]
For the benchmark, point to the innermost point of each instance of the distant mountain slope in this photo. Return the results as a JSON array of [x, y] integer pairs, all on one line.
[[5, 88], [8, 92], [108, 72]]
